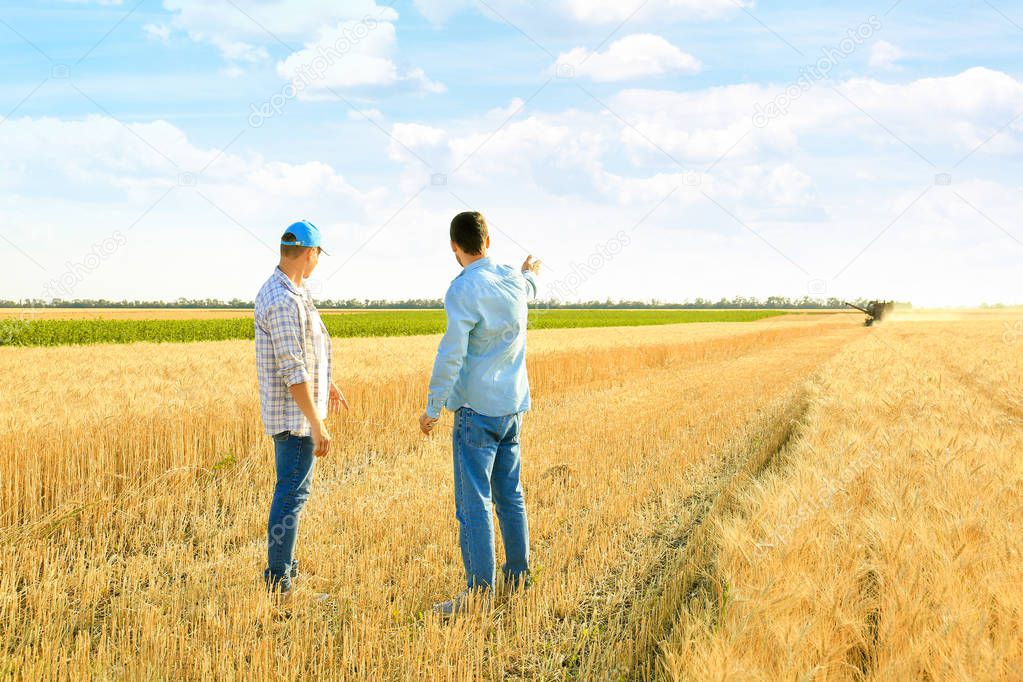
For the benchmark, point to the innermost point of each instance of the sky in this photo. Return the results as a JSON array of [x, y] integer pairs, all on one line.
[[657, 149]]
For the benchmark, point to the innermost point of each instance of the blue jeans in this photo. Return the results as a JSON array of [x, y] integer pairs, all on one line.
[[486, 459], [294, 463]]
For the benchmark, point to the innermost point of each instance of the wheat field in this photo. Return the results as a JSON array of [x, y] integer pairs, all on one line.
[[884, 541], [673, 478]]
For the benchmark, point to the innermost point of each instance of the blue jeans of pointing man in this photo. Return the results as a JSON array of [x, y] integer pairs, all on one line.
[[486, 467]]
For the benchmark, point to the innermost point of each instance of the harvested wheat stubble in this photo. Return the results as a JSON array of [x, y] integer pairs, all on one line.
[[135, 532]]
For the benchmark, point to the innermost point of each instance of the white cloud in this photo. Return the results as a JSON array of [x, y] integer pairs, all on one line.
[[351, 56], [350, 45], [239, 51], [572, 154], [608, 11], [884, 55], [955, 113], [669, 132], [363, 114], [500, 114], [158, 32], [583, 12], [261, 22], [415, 135], [98, 154], [678, 132], [750, 209], [636, 56], [79, 180], [742, 204], [439, 11]]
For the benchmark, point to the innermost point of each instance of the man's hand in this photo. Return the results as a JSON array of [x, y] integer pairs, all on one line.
[[336, 400], [321, 439], [426, 423], [531, 265]]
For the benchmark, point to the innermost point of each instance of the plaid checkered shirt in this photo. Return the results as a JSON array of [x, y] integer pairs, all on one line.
[[292, 347]]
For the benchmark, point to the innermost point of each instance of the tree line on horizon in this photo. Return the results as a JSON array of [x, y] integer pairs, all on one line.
[[771, 302]]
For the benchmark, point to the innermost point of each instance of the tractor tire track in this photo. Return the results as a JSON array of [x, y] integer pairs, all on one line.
[[684, 573]]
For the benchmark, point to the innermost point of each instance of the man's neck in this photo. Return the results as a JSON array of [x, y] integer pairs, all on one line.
[[293, 271], [469, 260]]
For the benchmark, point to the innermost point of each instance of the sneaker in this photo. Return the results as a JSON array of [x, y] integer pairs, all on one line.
[[283, 597], [288, 598], [454, 606], [277, 583], [514, 583]]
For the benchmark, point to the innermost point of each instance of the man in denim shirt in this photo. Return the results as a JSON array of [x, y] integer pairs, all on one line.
[[480, 375]]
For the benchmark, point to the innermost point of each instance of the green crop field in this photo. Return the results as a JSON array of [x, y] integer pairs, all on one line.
[[17, 332]]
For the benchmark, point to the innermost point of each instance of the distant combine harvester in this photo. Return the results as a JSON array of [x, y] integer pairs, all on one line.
[[876, 310]]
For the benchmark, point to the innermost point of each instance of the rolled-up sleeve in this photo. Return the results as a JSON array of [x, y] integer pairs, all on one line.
[[461, 320], [284, 325]]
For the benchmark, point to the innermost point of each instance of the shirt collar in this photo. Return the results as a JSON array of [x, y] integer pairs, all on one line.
[[477, 264], [286, 281]]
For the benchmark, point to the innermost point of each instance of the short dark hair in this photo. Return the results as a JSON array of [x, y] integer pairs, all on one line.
[[469, 231], [291, 251]]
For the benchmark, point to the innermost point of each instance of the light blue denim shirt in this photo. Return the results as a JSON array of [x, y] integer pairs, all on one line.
[[481, 361]]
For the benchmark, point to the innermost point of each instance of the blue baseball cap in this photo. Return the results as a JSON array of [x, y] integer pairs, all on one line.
[[306, 234]]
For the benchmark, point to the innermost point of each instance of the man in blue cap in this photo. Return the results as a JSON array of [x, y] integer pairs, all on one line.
[[293, 362]]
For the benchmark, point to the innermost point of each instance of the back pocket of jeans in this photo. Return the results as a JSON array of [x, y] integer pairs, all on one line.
[[481, 431]]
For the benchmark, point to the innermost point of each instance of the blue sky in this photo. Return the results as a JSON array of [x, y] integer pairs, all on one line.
[[617, 141]]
